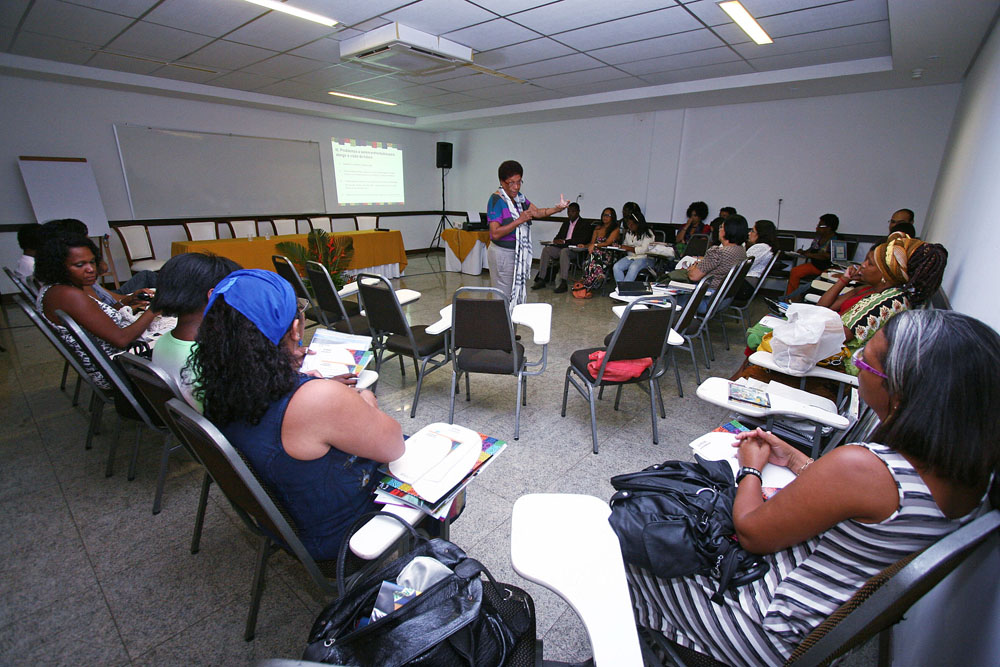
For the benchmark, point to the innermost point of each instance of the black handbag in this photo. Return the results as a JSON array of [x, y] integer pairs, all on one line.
[[460, 620], [676, 519]]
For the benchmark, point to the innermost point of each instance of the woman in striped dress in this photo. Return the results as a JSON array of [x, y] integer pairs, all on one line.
[[860, 507]]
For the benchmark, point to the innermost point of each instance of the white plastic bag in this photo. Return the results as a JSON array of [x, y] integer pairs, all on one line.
[[812, 333]]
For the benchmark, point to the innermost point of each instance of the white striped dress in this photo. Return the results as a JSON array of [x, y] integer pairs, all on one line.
[[761, 623]]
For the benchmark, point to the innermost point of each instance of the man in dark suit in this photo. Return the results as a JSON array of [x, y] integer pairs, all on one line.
[[574, 232]]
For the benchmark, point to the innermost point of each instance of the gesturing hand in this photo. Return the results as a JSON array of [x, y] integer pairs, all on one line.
[[562, 201]]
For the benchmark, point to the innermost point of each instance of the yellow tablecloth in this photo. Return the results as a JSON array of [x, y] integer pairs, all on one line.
[[371, 248], [462, 242]]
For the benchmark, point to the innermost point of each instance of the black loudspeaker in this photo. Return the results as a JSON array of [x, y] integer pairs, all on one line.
[[444, 155]]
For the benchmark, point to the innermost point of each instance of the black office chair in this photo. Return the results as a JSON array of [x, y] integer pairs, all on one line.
[[286, 270], [740, 307], [697, 245], [726, 295], [487, 349], [641, 333], [392, 332], [343, 316]]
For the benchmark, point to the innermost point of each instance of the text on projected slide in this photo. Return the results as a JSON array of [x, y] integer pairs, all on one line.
[[367, 172]]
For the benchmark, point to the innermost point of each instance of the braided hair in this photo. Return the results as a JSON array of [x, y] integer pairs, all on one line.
[[927, 264]]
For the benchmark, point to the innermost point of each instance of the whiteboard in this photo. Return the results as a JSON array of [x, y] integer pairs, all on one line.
[[62, 187], [180, 173]]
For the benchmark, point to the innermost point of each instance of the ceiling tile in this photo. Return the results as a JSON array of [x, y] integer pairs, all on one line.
[[821, 56], [471, 81], [133, 8], [708, 10], [465, 106], [185, 74], [452, 73], [52, 48], [519, 54], [351, 13], [11, 12], [507, 7], [286, 89], [497, 92], [721, 54], [206, 18], [156, 41], [242, 81], [694, 40], [491, 35], [695, 73], [570, 14], [825, 18], [446, 98], [225, 55], [414, 93], [123, 64], [279, 32], [645, 26], [337, 75], [370, 24], [573, 79], [861, 34], [608, 86], [439, 16], [382, 87], [571, 63], [60, 19], [284, 66], [325, 50]]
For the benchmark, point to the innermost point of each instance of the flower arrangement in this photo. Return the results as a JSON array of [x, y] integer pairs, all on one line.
[[333, 252]]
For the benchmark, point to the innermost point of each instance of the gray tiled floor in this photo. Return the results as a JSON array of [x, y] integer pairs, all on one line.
[[89, 576]]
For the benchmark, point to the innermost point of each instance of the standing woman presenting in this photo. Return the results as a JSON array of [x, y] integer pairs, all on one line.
[[510, 238]]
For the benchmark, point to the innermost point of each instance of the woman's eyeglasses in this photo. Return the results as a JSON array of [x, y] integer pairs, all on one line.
[[860, 363]]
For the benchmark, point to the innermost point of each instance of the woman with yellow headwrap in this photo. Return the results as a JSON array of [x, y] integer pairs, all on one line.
[[901, 273]]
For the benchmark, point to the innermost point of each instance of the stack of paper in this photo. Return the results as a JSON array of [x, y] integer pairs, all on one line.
[[333, 353]]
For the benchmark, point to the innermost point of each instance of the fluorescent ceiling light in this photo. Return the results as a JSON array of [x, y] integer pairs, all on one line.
[[749, 24], [363, 99], [294, 11]]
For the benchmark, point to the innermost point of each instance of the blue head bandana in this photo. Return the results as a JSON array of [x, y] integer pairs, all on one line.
[[263, 297]]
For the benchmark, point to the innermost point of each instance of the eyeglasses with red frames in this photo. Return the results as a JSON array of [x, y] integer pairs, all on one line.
[[858, 359]]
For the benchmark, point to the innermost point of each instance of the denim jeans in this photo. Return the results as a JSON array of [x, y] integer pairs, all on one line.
[[626, 269]]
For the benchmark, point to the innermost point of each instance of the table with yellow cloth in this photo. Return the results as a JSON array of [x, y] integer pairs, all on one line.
[[379, 252], [464, 251]]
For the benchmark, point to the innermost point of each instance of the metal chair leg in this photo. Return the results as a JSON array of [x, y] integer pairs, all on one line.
[[659, 398], [618, 396], [263, 551], [454, 388], [468, 392], [593, 414], [420, 382], [162, 478], [517, 411], [652, 411], [76, 391], [565, 391], [524, 390], [134, 462], [95, 418], [62, 383], [199, 518]]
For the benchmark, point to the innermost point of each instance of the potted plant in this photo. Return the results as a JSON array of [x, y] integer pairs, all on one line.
[[333, 252]]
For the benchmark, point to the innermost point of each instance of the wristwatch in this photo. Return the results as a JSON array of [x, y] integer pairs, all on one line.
[[747, 470]]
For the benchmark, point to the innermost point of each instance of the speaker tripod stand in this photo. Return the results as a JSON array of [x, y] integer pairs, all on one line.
[[436, 240]]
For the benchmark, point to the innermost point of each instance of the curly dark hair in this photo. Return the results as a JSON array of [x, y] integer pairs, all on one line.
[[509, 168], [698, 208], [50, 261], [240, 372], [29, 236], [183, 283], [927, 264]]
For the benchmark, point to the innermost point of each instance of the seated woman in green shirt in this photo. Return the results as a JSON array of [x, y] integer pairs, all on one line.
[[184, 284]]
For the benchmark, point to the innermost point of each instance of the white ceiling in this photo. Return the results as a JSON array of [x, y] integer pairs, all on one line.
[[577, 57]]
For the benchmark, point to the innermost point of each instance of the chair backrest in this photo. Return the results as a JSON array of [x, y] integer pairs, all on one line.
[[111, 371], [241, 229], [321, 222], [362, 222], [659, 235], [57, 342], [696, 245], [236, 480], [327, 297], [284, 226], [151, 381], [727, 286], [763, 278], [884, 598], [786, 242], [135, 239], [690, 312], [381, 306], [468, 316], [286, 270], [642, 332], [201, 231], [25, 287]]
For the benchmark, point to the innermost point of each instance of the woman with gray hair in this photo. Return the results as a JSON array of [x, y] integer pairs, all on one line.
[[859, 508]]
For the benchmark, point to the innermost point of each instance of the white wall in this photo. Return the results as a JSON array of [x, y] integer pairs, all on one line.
[[861, 156], [967, 193], [61, 119]]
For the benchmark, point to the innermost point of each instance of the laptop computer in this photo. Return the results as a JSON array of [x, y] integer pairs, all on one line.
[[838, 252], [633, 288]]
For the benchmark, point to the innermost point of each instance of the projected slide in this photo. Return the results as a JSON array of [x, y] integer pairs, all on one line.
[[367, 172]]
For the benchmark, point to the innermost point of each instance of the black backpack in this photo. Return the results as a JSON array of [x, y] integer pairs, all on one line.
[[676, 519]]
